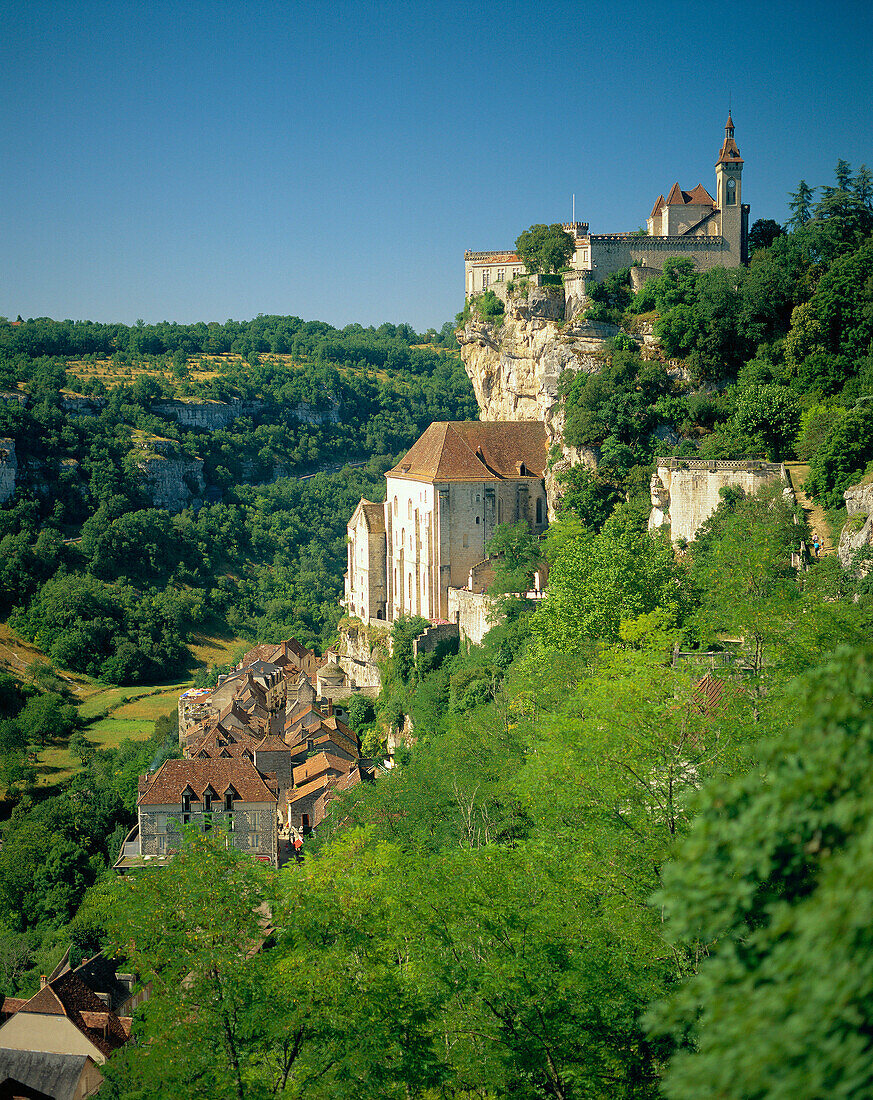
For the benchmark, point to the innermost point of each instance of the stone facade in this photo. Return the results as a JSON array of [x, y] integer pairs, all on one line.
[[710, 232], [685, 491], [366, 577], [221, 794], [444, 500], [471, 611]]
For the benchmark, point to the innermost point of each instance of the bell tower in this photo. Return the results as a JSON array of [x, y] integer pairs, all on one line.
[[729, 194]]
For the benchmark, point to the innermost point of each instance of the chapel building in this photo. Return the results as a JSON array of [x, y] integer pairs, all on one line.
[[709, 231], [445, 499]]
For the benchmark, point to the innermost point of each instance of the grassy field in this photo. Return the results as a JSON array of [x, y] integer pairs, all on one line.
[[115, 713]]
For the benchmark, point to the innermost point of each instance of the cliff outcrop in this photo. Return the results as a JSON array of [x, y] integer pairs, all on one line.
[[172, 480], [8, 469], [516, 365], [857, 532]]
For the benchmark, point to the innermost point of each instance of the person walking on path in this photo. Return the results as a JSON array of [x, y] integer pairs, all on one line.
[[298, 845], [816, 545]]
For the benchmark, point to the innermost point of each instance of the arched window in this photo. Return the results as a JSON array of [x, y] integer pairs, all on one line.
[[409, 508], [731, 192]]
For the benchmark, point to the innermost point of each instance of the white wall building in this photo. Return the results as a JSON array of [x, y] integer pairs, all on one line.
[[444, 500]]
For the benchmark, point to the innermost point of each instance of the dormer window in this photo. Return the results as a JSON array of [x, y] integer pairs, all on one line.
[[209, 796], [229, 795], [186, 800]]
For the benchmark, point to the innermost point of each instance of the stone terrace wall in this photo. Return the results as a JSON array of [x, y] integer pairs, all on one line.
[[685, 491]]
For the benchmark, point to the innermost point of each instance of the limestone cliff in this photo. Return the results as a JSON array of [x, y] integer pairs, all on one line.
[[515, 366], [8, 469], [857, 533]]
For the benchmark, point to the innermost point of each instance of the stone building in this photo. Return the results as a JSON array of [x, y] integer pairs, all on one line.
[[444, 500], [215, 793], [711, 232]]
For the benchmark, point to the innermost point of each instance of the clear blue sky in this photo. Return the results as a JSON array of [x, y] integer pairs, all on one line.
[[333, 159]]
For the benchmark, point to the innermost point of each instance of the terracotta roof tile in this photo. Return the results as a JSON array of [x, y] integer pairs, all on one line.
[[476, 451], [174, 776], [320, 764], [698, 197], [658, 207]]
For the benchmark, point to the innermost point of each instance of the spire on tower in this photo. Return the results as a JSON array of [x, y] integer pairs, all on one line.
[[729, 152]]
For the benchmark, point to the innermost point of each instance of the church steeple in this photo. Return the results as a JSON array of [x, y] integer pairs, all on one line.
[[733, 216], [729, 154]]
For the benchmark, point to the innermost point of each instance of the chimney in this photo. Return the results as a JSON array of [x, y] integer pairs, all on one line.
[[42, 981]]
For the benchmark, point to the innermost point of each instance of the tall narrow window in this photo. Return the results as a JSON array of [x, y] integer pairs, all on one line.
[[732, 192], [539, 509]]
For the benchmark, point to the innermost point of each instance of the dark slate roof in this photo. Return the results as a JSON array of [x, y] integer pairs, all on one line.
[[42, 1074]]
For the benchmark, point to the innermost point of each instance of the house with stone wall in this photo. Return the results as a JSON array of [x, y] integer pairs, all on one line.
[[709, 231], [229, 794]]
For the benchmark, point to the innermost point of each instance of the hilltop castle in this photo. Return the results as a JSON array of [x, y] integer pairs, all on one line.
[[711, 232]]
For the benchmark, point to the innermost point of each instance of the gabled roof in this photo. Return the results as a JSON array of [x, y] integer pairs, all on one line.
[[476, 451], [321, 764], [69, 996], [173, 776], [374, 516], [699, 196], [658, 207]]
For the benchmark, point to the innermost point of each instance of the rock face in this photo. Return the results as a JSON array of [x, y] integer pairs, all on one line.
[[857, 532], [515, 368], [171, 481], [8, 469], [359, 651], [208, 415]]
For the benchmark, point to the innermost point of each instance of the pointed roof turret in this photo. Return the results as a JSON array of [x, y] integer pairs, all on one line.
[[729, 154]]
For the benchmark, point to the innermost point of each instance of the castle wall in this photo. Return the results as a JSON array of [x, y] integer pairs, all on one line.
[[685, 492], [470, 610], [612, 252]]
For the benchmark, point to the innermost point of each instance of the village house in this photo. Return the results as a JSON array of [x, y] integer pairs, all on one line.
[[229, 794], [709, 231], [54, 1042], [263, 678]]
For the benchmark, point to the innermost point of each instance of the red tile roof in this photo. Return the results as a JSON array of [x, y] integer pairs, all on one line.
[[677, 197], [320, 764], [174, 776], [476, 451]]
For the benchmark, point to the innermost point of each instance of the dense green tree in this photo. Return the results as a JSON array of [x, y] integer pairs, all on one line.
[[770, 413], [596, 582], [774, 884], [800, 205], [763, 233], [545, 248]]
